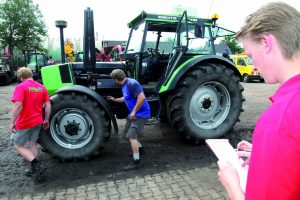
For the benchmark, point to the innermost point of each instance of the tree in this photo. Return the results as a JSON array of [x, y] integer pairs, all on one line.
[[232, 44], [21, 25]]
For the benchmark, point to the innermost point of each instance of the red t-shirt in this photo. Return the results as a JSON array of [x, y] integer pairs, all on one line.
[[274, 170], [33, 95]]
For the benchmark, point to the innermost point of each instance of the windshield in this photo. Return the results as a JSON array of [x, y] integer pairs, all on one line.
[[166, 40], [136, 39], [248, 60], [34, 57]]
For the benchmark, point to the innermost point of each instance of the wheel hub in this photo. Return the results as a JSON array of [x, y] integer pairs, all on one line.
[[206, 104], [209, 105], [202, 104], [71, 128], [75, 129]]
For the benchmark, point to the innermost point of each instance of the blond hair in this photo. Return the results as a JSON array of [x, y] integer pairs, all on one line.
[[24, 72], [117, 74], [278, 19]]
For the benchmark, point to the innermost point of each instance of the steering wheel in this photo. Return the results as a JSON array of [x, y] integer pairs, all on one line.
[[153, 52]]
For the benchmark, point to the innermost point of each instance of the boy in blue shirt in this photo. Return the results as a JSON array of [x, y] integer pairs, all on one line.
[[139, 112]]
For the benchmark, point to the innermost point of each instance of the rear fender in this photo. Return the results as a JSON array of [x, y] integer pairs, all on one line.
[[94, 95], [187, 65]]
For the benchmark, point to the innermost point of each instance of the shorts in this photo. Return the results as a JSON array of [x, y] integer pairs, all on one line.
[[21, 137], [133, 129]]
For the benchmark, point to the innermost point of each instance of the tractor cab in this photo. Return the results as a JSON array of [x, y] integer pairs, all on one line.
[[159, 44], [35, 61]]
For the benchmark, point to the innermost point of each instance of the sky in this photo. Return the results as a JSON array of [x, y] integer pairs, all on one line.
[[111, 16]]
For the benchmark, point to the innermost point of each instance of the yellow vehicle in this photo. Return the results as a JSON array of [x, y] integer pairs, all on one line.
[[244, 64]]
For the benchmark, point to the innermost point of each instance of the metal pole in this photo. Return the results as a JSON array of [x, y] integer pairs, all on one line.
[[62, 52], [61, 25]]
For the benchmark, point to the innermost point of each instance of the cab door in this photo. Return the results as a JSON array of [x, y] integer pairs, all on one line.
[[179, 49], [242, 66]]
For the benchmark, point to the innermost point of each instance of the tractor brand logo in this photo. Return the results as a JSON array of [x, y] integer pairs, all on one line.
[[174, 18], [167, 17]]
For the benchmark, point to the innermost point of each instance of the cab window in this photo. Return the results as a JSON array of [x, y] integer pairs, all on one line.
[[248, 60], [241, 62]]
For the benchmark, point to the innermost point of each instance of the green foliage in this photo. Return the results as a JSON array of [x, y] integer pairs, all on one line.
[[42, 49], [232, 44], [21, 25]]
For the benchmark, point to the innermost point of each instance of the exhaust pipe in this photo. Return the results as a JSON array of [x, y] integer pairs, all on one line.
[[89, 56]]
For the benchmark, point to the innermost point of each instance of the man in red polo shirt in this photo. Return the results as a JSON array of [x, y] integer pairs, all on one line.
[[271, 36], [27, 118]]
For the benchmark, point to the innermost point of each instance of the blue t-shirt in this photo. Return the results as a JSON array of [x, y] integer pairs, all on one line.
[[131, 89]]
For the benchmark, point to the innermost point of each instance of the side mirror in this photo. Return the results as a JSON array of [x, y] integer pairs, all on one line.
[[199, 30]]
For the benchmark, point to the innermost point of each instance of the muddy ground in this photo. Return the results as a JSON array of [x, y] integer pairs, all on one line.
[[164, 150]]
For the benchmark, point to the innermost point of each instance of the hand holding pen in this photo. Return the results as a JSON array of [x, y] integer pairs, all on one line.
[[244, 151]]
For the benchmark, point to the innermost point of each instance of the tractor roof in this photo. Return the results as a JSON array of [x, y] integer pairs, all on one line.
[[170, 20]]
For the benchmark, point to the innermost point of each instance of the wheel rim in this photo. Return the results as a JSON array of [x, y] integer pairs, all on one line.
[[71, 128], [209, 105]]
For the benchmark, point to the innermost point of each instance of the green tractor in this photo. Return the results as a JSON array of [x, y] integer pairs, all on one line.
[[173, 57], [35, 61]]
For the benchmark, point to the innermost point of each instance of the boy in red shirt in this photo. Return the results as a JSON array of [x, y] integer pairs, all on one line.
[[271, 36], [27, 118]]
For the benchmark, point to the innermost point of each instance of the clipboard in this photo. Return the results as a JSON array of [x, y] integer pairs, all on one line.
[[225, 152]]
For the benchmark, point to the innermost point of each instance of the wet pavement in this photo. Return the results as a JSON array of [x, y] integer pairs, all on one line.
[[172, 169]]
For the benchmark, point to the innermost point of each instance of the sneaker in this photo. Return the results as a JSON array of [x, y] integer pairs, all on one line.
[[141, 151], [32, 169], [38, 174], [40, 170], [135, 164], [29, 171]]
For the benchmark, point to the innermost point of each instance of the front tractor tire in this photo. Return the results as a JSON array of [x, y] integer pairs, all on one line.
[[206, 103], [78, 128]]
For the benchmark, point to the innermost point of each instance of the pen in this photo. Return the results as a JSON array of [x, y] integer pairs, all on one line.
[[241, 150]]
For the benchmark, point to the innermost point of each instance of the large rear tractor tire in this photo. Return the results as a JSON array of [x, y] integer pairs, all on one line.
[[78, 128], [206, 103]]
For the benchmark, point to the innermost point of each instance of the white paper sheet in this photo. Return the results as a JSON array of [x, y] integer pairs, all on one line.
[[225, 152]]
